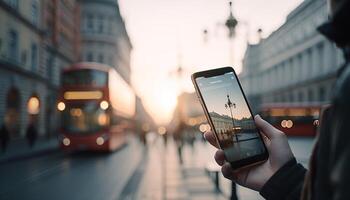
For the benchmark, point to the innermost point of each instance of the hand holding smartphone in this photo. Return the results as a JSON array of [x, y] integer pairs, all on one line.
[[230, 116]]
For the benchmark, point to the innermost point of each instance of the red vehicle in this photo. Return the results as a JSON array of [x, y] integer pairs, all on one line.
[[97, 108], [294, 119]]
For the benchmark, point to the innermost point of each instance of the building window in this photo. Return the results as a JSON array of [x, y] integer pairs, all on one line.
[[322, 94], [89, 57], [321, 56], [24, 57], [101, 58], [100, 24], [300, 97], [110, 20], [50, 62], [33, 105], [35, 12], [12, 3], [311, 95], [90, 22], [34, 57], [110, 61], [291, 97], [13, 45], [309, 63]]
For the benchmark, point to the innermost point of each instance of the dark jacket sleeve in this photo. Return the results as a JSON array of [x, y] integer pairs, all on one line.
[[286, 183]]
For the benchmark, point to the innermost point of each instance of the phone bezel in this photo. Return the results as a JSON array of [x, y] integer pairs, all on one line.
[[217, 72]]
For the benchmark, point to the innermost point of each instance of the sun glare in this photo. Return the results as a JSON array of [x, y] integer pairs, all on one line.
[[164, 101]]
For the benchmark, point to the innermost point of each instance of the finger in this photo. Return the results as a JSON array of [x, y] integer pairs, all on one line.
[[267, 129], [227, 171], [266, 141], [220, 157], [210, 137]]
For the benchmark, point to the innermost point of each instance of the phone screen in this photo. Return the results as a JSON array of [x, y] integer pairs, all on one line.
[[233, 122]]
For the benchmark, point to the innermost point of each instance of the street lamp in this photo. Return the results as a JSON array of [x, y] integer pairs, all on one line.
[[230, 105], [231, 23]]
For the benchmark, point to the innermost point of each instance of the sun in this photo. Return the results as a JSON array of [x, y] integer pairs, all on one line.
[[164, 102]]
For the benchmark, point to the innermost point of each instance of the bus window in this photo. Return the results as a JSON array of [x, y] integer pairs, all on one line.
[[84, 118], [85, 77]]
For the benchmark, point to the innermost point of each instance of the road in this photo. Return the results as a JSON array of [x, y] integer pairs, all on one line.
[[70, 176], [108, 176]]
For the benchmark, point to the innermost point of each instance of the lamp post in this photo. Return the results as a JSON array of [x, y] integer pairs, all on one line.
[[230, 105], [231, 24]]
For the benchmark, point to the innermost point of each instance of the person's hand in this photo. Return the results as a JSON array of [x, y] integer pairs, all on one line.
[[256, 176]]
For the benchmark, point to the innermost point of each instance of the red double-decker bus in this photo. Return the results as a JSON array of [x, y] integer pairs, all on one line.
[[97, 108], [294, 119]]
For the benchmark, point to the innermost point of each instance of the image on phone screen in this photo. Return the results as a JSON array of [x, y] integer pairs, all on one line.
[[233, 122]]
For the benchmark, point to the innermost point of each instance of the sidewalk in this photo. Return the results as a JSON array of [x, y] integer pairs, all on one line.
[[172, 181], [19, 148], [200, 156], [165, 178]]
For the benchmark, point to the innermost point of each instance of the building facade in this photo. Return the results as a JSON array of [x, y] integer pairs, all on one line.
[[295, 63], [103, 35], [60, 23], [30, 61], [21, 74]]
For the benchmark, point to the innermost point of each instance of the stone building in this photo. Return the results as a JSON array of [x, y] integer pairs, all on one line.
[[294, 63], [22, 77], [33, 48], [60, 49], [103, 35]]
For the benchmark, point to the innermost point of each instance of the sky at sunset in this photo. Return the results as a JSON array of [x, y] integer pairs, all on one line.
[[166, 33]]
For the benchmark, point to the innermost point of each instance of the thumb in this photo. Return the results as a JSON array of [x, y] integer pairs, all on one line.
[[267, 129]]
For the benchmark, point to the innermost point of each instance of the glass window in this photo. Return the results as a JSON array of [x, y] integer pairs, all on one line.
[[13, 44], [12, 3], [35, 12], [311, 95], [322, 94], [100, 24], [86, 77], [34, 57], [90, 22], [291, 97], [84, 118], [100, 58], [89, 57], [50, 63], [110, 20], [300, 97]]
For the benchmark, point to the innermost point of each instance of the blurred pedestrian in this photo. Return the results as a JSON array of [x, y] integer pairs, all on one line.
[[281, 177], [4, 137], [31, 132], [165, 139], [178, 137]]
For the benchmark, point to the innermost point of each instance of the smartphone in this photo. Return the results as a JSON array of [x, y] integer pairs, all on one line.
[[230, 116]]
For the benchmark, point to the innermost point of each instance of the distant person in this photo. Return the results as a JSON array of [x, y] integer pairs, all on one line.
[[31, 133], [178, 138], [328, 177], [4, 137]]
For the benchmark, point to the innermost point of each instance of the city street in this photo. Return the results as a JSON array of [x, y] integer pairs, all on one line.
[[128, 173], [83, 175], [146, 79]]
